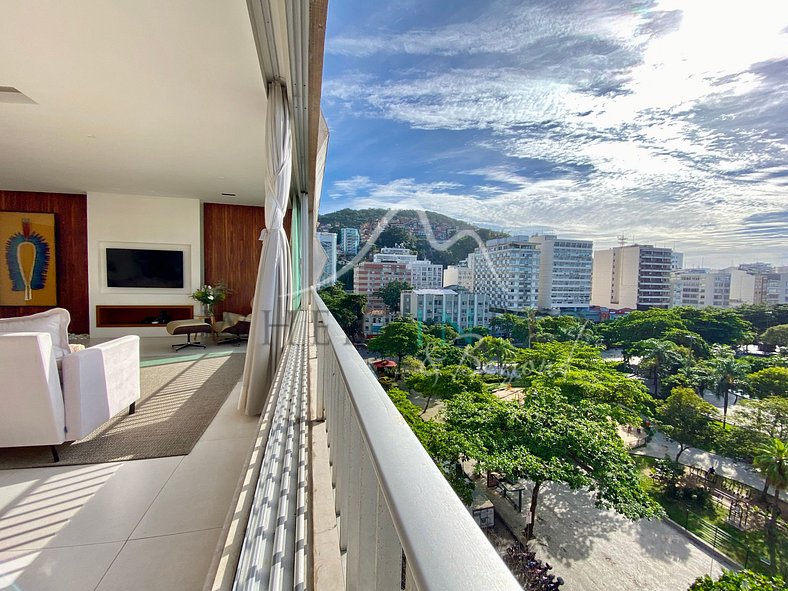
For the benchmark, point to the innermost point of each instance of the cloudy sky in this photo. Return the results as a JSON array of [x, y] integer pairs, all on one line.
[[664, 121]]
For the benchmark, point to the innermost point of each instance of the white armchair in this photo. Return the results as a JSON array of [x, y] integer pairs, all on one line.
[[40, 408]]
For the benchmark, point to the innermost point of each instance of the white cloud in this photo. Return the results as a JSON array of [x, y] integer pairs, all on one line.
[[670, 123]]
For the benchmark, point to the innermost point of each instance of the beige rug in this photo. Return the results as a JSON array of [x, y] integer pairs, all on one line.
[[179, 400]]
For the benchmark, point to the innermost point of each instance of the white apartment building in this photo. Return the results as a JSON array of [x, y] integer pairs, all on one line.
[[742, 286], [394, 255], [460, 274], [676, 261], [564, 272], [507, 272], [701, 287], [635, 276], [771, 288], [328, 240], [350, 240], [425, 275], [462, 309]]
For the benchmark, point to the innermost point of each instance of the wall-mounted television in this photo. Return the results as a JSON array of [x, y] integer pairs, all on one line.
[[141, 267]]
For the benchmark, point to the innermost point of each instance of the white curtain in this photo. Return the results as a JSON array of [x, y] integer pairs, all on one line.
[[271, 308]]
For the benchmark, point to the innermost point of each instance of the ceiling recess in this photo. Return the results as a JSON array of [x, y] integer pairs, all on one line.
[[9, 94]]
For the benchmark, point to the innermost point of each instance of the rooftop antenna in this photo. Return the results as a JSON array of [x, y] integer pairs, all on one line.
[[622, 240]]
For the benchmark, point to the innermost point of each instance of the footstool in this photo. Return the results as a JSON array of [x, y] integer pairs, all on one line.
[[188, 327]]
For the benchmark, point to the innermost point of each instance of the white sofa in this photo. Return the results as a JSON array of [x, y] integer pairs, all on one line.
[[46, 406]]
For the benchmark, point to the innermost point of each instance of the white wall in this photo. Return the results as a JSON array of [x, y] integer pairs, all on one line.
[[148, 222]]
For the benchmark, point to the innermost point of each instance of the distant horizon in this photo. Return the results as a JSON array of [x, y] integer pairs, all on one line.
[[663, 120]]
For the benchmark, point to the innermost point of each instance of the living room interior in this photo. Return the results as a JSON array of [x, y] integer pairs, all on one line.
[[136, 127], [193, 127]]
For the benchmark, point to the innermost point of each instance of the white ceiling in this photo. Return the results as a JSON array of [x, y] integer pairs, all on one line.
[[145, 97]]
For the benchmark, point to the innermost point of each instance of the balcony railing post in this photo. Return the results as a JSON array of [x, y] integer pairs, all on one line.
[[346, 452], [388, 550], [351, 519]]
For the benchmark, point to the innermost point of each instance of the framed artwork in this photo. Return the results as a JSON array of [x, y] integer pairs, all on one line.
[[27, 261]]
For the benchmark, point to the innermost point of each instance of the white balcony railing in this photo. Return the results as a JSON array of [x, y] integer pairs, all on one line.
[[390, 497]]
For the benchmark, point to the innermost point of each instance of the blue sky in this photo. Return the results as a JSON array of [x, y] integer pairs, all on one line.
[[664, 121]]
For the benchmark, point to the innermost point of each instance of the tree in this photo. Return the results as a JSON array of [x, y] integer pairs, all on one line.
[[411, 365], [685, 418], [772, 381], [729, 374], [395, 236], [720, 326], [768, 416], [772, 461], [580, 373], [695, 343], [445, 382], [763, 316], [660, 358], [435, 352], [744, 580], [390, 294], [347, 308], [641, 325], [397, 339], [445, 332], [494, 349], [776, 335], [547, 439]]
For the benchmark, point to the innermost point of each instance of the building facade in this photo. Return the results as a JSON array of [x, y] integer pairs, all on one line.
[[460, 274], [771, 288], [369, 277], [328, 240], [425, 275], [564, 272], [394, 255], [635, 276], [699, 288], [462, 309], [507, 272], [350, 240]]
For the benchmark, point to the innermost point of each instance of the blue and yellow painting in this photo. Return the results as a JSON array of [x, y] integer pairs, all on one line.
[[27, 265]]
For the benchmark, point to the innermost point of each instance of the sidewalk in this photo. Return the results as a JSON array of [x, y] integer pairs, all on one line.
[[597, 550], [659, 446]]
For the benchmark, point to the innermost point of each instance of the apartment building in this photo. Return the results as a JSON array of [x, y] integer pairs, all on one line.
[[507, 272], [328, 240], [635, 276], [425, 275], [349, 241], [564, 272], [771, 288], [394, 255], [369, 277], [460, 274], [676, 261], [701, 287], [462, 309]]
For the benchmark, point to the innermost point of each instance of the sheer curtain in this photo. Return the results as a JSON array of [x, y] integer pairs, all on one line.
[[272, 297]]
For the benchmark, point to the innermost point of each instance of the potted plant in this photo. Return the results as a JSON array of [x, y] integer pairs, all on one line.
[[208, 295]]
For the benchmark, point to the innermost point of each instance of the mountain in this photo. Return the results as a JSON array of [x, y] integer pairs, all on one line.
[[407, 228]]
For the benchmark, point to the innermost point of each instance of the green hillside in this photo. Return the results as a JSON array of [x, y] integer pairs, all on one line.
[[405, 229]]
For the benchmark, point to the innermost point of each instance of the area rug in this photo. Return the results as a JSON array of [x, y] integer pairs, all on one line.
[[179, 399]]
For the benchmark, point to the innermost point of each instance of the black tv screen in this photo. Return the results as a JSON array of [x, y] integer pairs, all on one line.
[[133, 267]]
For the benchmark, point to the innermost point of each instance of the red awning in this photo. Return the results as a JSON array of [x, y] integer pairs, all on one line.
[[384, 363]]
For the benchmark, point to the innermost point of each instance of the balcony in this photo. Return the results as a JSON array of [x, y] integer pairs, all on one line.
[[378, 514]]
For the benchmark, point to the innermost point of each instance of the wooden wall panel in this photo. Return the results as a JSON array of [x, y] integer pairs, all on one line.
[[231, 252], [71, 240]]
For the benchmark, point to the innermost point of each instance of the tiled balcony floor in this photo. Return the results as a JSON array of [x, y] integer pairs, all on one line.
[[138, 525]]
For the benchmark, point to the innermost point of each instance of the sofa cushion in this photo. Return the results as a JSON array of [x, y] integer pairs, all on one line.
[[54, 322]]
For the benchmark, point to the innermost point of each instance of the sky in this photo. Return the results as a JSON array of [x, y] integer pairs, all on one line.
[[665, 122]]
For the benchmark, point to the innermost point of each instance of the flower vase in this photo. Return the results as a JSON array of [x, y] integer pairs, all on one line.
[[207, 310]]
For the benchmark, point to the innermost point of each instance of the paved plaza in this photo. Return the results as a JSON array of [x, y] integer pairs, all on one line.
[[598, 550]]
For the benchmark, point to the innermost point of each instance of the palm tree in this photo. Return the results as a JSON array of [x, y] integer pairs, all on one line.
[[659, 356], [729, 374], [772, 461]]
